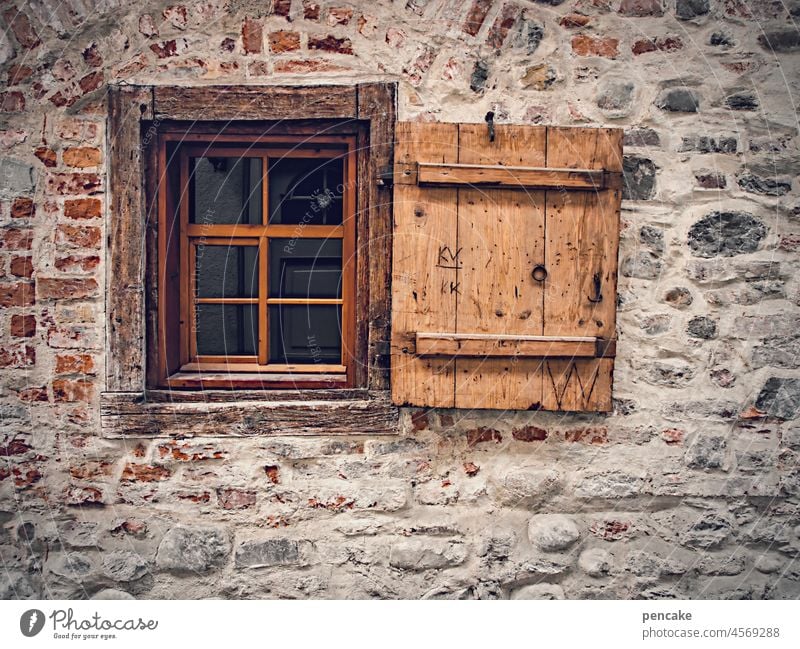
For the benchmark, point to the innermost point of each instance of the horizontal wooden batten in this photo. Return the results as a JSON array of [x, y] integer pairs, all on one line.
[[310, 413], [431, 173], [442, 344]]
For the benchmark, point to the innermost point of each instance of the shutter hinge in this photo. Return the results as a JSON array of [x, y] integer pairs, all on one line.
[[386, 177]]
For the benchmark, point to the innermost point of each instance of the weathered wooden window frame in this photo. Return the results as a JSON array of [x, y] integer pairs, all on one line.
[[130, 406]]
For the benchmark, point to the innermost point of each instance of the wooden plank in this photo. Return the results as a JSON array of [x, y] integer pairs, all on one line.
[[254, 102], [249, 418], [125, 324], [514, 176], [582, 232], [254, 381], [500, 240], [164, 401], [424, 268], [376, 103], [433, 344]]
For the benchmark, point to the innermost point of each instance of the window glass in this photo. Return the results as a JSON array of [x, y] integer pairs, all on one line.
[[306, 190], [305, 334], [226, 271], [225, 190], [305, 268], [227, 329]]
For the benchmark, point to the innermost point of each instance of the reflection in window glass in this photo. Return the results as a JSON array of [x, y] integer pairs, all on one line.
[[305, 334], [226, 271], [227, 329], [306, 190], [225, 190], [305, 268]]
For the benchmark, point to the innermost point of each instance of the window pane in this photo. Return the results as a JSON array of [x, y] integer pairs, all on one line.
[[306, 190], [229, 329], [226, 271], [305, 334], [305, 268], [225, 190]]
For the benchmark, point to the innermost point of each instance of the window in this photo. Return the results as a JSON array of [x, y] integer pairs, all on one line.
[[257, 264], [269, 312]]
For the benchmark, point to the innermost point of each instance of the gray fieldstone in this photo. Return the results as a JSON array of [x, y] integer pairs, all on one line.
[[539, 591], [721, 39], [480, 73], [784, 40], [615, 98], [708, 531], [426, 554], [268, 553], [595, 562], [706, 452], [652, 237], [122, 565], [73, 565], [552, 532], [193, 549], [678, 100], [688, 9], [706, 144], [754, 184], [702, 327], [16, 178], [527, 486], [530, 35], [742, 101], [112, 594], [780, 398], [778, 352], [668, 373], [639, 178], [641, 137], [609, 485], [641, 265], [678, 297], [725, 234]]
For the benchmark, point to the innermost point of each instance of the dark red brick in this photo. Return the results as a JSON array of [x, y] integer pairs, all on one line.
[[68, 390], [330, 44], [20, 24], [23, 208], [21, 267], [23, 326], [56, 288], [476, 16], [529, 434], [483, 434], [252, 36], [17, 294], [284, 41]]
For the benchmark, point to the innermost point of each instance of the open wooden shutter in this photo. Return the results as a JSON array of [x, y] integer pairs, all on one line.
[[504, 268]]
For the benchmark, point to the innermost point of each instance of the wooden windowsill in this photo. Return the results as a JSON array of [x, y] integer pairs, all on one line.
[[254, 380], [247, 413]]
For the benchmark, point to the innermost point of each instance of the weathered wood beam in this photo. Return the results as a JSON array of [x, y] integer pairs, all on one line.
[[431, 173], [442, 344]]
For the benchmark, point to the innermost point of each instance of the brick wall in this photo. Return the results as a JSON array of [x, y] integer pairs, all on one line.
[[691, 487]]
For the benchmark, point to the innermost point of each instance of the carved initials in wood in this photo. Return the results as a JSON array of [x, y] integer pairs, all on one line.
[[448, 259], [573, 369]]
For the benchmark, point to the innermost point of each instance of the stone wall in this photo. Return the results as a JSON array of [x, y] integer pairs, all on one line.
[[689, 489]]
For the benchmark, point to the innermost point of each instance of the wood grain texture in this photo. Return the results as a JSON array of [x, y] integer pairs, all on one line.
[[515, 177], [500, 238], [125, 324], [254, 102], [376, 103], [424, 268], [582, 232], [374, 416], [433, 344]]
